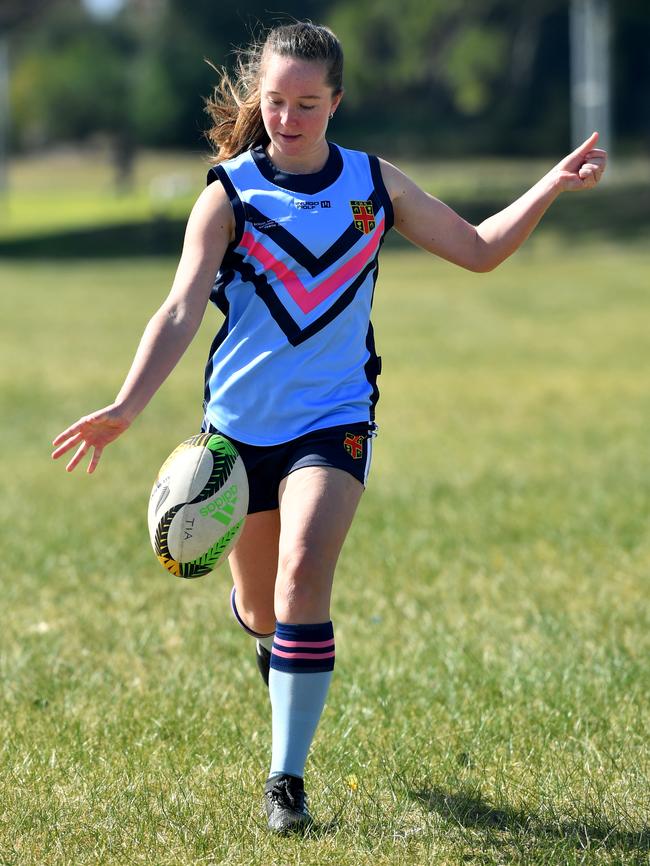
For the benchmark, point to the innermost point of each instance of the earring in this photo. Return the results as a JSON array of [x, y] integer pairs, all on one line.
[[331, 115]]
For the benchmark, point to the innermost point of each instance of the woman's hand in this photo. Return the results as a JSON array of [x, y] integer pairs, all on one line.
[[94, 431], [168, 334], [583, 168]]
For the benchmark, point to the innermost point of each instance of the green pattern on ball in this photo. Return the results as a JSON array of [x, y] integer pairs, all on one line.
[[205, 563], [224, 456], [219, 445]]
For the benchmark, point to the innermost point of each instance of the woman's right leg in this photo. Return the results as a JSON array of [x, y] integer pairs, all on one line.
[[254, 565]]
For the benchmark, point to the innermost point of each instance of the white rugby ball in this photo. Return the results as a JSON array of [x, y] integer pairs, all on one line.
[[198, 505]]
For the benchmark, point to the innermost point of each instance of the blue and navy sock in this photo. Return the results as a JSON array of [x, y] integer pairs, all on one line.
[[265, 639], [302, 661]]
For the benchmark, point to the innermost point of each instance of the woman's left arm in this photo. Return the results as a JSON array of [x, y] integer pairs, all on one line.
[[432, 225]]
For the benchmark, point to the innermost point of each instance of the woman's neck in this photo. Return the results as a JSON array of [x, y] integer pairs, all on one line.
[[299, 164]]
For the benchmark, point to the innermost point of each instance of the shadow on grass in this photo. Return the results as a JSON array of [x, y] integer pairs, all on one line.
[[618, 213], [468, 809], [320, 830]]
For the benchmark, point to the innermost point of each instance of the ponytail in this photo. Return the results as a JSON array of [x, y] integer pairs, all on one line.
[[234, 106], [235, 111]]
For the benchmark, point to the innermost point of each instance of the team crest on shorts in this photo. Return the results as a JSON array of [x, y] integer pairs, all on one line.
[[353, 444], [363, 214]]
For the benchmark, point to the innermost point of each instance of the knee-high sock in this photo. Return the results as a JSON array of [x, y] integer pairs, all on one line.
[[265, 639], [302, 661]]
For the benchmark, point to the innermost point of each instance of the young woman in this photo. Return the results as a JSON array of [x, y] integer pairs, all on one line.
[[291, 226]]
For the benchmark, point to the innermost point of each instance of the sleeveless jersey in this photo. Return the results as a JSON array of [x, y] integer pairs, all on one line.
[[296, 351]]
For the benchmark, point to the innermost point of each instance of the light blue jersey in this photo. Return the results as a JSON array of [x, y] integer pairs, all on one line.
[[296, 352]]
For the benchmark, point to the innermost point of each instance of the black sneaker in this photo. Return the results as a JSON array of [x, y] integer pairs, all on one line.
[[285, 804], [263, 657]]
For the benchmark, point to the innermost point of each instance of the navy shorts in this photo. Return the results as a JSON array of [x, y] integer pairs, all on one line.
[[347, 447]]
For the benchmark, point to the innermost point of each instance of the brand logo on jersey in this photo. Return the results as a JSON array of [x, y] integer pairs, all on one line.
[[363, 215], [264, 225], [312, 205], [354, 445]]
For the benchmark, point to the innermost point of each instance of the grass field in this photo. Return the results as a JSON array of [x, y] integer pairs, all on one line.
[[490, 701]]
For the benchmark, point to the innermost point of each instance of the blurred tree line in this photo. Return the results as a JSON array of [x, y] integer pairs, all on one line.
[[422, 76]]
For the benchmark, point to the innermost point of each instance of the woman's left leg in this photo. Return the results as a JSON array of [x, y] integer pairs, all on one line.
[[317, 505]]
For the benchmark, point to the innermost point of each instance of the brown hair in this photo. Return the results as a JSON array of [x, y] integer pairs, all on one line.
[[234, 107]]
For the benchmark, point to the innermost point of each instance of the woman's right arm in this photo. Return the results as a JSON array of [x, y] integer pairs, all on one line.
[[210, 229]]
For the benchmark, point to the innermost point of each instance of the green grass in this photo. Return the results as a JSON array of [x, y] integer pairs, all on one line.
[[74, 189], [489, 704]]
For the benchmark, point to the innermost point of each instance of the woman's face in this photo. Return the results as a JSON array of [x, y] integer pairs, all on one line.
[[296, 103]]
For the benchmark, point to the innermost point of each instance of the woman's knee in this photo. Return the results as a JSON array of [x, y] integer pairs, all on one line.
[[303, 588]]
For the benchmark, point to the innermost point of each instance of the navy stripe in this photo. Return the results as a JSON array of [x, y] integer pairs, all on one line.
[[287, 242], [305, 631], [218, 172], [380, 188], [224, 278], [220, 299], [316, 651], [209, 367], [372, 369], [298, 666]]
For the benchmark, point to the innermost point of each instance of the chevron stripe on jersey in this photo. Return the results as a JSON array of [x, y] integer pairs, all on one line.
[[308, 300], [314, 264], [296, 287]]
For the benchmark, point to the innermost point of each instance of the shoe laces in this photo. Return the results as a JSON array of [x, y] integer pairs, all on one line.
[[287, 791]]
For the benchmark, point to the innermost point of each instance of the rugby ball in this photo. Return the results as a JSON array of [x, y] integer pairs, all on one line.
[[198, 505]]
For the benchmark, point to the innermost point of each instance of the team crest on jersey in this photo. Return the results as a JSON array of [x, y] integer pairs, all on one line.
[[363, 214], [353, 444]]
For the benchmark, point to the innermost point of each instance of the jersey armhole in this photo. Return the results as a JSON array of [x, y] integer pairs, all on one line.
[[382, 192], [217, 172]]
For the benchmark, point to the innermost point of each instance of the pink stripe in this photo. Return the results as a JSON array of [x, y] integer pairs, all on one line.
[[316, 644], [308, 301], [312, 656], [288, 278]]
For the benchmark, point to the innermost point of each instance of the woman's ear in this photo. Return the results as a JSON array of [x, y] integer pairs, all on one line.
[[336, 101]]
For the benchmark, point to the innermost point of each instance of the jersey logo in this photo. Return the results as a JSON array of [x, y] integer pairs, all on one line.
[[363, 214], [312, 205], [354, 445]]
